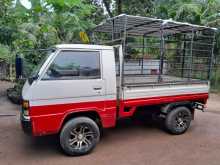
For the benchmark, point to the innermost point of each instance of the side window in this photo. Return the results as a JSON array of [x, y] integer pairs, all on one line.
[[73, 65]]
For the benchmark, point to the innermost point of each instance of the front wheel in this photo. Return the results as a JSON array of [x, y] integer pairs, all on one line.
[[178, 120], [79, 136]]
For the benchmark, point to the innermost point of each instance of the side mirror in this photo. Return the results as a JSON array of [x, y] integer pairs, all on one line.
[[18, 66]]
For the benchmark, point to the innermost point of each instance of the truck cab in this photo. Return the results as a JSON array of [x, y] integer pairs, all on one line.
[[73, 78]]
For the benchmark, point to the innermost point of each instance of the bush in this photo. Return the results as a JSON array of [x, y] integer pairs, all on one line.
[[14, 94], [5, 54], [215, 79]]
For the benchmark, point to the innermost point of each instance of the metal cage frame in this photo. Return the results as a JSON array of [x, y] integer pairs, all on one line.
[[119, 28]]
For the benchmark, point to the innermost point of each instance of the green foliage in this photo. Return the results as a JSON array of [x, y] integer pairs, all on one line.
[[193, 11], [4, 6], [141, 7], [49, 22], [5, 54], [215, 79], [14, 94], [69, 17]]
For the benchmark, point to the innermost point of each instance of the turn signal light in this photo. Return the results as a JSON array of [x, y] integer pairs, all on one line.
[[25, 104]]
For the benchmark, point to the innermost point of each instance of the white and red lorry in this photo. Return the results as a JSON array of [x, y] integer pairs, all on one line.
[[75, 92]]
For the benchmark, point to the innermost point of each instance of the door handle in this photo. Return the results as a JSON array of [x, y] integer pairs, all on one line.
[[97, 88]]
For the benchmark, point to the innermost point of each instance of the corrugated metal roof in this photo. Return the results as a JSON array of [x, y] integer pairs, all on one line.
[[138, 25]]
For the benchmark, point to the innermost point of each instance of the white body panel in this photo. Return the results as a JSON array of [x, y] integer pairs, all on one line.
[[49, 92], [166, 90]]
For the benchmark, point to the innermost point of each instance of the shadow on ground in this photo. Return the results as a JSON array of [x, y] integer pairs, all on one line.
[[133, 127]]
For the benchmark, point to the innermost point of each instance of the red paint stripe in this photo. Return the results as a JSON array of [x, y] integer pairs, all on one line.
[[165, 99], [133, 103], [48, 118]]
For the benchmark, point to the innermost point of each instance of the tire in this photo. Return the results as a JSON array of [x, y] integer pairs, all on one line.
[[79, 136], [178, 120]]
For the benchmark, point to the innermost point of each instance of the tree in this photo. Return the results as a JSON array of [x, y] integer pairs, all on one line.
[[141, 7], [119, 6], [50, 22], [107, 4], [133, 7], [193, 11], [5, 54]]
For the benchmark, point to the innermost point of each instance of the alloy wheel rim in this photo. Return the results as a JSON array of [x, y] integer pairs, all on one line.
[[81, 137], [182, 120]]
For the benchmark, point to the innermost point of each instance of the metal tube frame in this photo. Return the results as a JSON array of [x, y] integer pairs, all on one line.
[[211, 59], [113, 29], [191, 56], [125, 26], [162, 52], [124, 50], [183, 58], [142, 60]]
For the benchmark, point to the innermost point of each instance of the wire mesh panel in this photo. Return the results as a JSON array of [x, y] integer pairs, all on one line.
[[159, 51], [188, 55]]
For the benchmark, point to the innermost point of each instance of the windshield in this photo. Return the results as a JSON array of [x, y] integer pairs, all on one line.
[[36, 70]]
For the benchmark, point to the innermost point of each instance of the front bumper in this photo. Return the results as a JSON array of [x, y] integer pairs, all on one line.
[[26, 124]]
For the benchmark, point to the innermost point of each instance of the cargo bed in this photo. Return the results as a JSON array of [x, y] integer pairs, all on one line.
[[152, 80]]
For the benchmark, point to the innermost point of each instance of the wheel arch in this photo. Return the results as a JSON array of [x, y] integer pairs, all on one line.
[[89, 113], [169, 107]]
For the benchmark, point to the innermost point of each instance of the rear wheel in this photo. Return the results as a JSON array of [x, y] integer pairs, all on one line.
[[178, 120], [79, 136]]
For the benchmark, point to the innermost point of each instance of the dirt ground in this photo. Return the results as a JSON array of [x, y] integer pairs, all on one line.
[[127, 144]]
